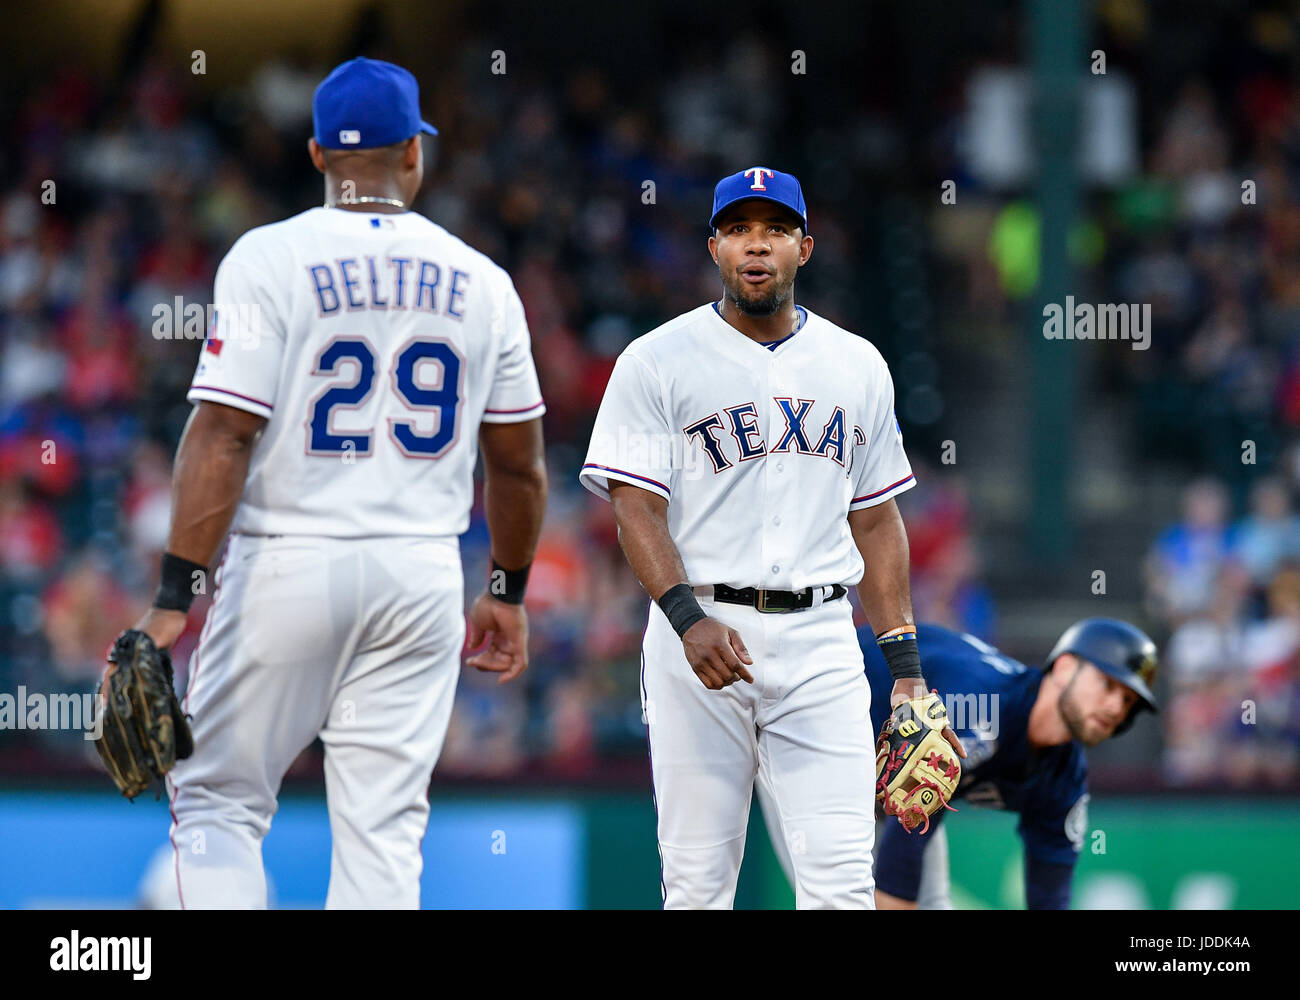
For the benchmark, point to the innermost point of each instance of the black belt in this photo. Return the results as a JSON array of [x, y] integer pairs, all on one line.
[[774, 601]]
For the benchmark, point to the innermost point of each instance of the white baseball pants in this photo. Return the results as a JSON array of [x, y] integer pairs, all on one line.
[[804, 725], [935, 889], [357, 641]]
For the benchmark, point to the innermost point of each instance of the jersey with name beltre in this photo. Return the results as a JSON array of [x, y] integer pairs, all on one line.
[[374, 345], [761, 453], [989, 696]]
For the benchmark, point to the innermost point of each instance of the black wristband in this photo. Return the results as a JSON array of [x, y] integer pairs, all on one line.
[[176, 588], [681, 608], [508, 585], [902, 655]]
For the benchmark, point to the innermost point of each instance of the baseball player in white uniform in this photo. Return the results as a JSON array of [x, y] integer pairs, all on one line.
[[359, 356], [751, 454]]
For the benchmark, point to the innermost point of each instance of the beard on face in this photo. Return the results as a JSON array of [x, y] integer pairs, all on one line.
[[756, 303], [1076, 720]]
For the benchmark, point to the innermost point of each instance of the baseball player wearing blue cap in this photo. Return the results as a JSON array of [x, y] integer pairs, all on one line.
[[359, 359], [751, 454]]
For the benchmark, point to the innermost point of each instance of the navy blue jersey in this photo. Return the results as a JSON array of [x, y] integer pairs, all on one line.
[[988, 696]]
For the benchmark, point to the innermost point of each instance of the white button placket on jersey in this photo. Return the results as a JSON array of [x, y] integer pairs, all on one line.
[[774, 435]]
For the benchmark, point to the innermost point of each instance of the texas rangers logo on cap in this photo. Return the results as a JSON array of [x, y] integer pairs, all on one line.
[[763, 183]]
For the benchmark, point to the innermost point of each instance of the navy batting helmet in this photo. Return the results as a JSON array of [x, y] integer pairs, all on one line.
[[1117, 649]]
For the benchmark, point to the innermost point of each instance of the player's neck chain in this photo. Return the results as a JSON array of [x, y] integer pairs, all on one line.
[[367, 200]]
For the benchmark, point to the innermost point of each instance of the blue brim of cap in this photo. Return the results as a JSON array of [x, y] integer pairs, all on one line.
[[713, 222], [426, 127]]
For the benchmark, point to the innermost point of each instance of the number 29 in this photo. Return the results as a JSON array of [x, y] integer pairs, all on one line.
[[443, 397]]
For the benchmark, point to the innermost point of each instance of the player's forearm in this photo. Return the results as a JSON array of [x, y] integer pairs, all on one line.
[[514, 489], [885, 589], [643, 534], [211, 468], [515, 504]]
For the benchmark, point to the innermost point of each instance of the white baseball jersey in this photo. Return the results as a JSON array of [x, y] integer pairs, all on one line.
[[760, 452], [374, 345]]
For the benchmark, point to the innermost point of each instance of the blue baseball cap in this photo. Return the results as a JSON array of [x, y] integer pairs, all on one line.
[[367, 103], [761, 183]]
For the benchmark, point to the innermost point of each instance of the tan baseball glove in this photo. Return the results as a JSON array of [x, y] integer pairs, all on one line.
[[917, 770]]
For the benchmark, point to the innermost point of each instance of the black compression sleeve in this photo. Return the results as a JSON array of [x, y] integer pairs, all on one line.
[[901, 654], [681, 607], [176, 587]]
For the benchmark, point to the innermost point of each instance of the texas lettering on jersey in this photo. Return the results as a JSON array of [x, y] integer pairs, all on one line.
[[789, 442], [742, 421]]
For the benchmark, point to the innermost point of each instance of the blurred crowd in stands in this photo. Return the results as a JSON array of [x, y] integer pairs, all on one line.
[[1228, 590], [126, 196], [1218, 213]]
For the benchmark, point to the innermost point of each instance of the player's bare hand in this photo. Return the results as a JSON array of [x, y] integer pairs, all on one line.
[[717, 654], [505, 629], [162, 626], [907, 688]]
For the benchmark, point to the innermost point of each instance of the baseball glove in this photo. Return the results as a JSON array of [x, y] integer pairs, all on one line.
[[143, 731], [917, 770]]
